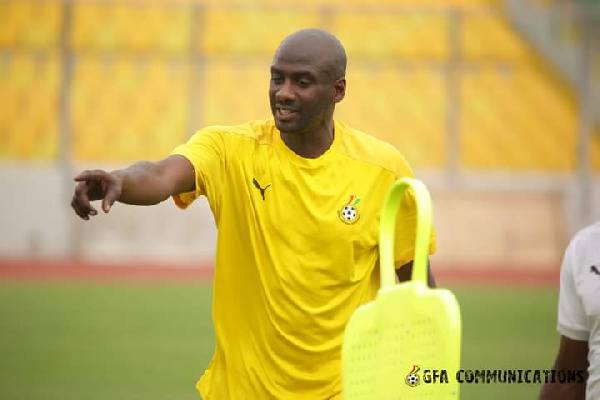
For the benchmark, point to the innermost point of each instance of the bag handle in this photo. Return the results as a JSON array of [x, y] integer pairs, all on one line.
[[387, 231]]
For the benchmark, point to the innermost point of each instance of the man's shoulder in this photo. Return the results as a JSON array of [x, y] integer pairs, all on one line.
[[583, 250], [369, 149], [258, 130], [588, 236]]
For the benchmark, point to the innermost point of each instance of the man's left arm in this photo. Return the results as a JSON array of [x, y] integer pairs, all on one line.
[[404, 273]]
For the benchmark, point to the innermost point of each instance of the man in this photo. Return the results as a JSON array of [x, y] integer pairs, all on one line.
[[579, 319], [296, 201]]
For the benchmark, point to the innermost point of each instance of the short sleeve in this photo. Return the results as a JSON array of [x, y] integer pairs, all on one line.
[[406, 220], [572, 322], [406, 226], [206, 151]]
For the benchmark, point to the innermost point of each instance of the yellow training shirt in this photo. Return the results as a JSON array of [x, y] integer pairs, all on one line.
[[296, 253]]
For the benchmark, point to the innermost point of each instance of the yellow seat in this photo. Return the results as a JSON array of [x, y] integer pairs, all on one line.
[[251, 31], [501, 128], [148, 28], [595, 147], [29, 104], [403, 106], [392, 35], [130, 110], [490, 36], [30, 24], [235, 91], [369, 3]]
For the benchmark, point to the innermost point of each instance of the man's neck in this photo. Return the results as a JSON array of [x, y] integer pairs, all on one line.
[[310, 144]]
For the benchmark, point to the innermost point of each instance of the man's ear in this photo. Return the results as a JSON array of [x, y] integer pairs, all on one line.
[[339, 87]]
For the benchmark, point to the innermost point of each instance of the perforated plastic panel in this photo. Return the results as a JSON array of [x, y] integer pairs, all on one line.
[[408, 326]]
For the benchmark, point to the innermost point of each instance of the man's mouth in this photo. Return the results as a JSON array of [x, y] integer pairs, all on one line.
[[285, 113]]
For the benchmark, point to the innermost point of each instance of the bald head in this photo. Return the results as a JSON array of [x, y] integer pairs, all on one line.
[[314, 47], [307, 81]]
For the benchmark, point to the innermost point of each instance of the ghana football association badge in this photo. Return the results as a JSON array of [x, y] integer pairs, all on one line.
[[349, 214], [413, 379]]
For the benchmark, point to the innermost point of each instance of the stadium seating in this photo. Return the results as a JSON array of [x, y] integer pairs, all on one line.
[[131, 28], [595, 147], [385, 35], [250, 31], [512, 119], [402, 106], [368, 3], [488, 36], [128, 108], [31, 25], [234, 91], [29, 106], [596, 134], [134, 64]]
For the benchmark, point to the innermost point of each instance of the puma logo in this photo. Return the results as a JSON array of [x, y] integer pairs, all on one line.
[[262, 190], [594, 269]]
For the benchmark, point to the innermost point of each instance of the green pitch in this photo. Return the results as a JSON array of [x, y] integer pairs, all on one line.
[[73, 341]]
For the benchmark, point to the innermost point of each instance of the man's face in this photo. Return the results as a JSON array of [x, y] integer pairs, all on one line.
[[301, 94]]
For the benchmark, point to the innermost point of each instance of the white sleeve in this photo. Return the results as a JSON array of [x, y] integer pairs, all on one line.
[[572, 321]]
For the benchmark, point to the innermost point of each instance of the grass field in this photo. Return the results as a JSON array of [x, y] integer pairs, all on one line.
[[126, 340]]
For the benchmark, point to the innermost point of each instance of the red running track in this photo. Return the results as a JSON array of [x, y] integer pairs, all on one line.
[[75, 269], [19, 269]]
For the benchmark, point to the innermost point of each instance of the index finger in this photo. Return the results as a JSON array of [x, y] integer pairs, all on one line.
[[95, 175]]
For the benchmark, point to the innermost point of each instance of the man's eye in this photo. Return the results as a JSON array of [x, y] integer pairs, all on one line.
[[304, 83], [276, 79]]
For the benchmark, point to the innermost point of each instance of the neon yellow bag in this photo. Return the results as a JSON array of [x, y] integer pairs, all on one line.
[[409, 329]]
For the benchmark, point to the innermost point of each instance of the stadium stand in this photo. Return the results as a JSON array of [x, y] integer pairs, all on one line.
[[29, 106], [250, 31], [134, 28], [130, 80], [384, 35], [142, 72], [128, 108], [29, 80], [403, 106], [595, 148], [29, 25], [234, 90], [488, 36], [512, 119]]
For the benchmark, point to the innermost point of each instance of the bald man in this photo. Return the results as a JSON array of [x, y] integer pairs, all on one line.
[[296, 201]]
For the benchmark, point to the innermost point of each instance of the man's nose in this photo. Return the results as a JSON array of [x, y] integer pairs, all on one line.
[[285, 92]]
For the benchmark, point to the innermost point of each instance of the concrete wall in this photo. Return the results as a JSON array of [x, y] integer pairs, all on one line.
[[33, 219], [499, 230], [36, 221]]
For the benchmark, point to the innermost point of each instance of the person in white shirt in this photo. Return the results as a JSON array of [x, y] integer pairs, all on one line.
[[579, 318]]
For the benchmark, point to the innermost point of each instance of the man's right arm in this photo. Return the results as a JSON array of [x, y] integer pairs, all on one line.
[[572, 355], [144, 183]]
